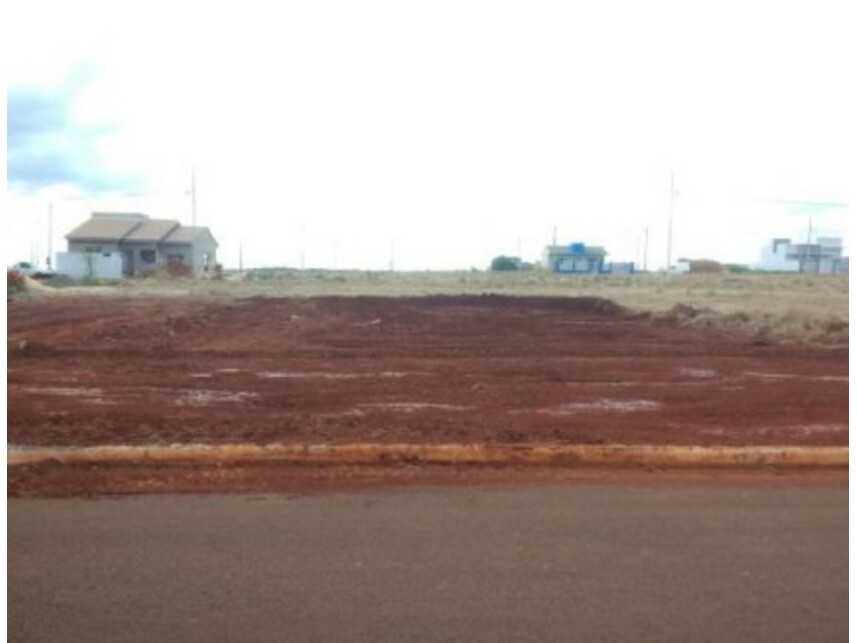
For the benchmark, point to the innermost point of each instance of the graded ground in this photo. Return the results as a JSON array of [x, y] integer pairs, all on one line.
[[436, 369]]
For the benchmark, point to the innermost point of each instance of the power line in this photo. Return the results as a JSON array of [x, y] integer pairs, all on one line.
[[818, 204]]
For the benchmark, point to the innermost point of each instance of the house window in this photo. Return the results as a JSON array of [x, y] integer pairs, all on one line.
[[147, 256], [92, 249], [175, 258]]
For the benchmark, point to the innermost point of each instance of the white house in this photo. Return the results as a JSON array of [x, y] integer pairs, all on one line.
[[822, 257], [114, 244]]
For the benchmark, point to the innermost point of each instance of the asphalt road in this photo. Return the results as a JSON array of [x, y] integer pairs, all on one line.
[[558, 564]]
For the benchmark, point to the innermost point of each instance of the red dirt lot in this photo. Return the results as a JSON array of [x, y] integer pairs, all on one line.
[[431, 369], [58, 480]]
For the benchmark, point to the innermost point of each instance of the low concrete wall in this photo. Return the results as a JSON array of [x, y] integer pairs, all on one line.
[[90, 265]]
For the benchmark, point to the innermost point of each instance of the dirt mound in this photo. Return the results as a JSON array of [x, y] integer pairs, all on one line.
[[571, 305], [581, 305]]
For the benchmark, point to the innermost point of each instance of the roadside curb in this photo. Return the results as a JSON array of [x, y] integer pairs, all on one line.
[[614, 455]]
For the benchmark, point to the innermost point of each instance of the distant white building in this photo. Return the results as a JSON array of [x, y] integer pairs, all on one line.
[[822, 257], [575, 258], [684, 266], [775, 257]]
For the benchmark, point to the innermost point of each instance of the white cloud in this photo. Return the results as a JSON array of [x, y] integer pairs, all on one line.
[[466, 129]]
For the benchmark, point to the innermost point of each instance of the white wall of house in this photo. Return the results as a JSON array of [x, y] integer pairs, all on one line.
[[90, 265], [145, 257], [577, 264], [177, 256], [774, 259], [93, 246], [194, 256], [204, 253]]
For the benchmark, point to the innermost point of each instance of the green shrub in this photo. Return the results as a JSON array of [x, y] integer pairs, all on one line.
[[737, 268], [505, 264]]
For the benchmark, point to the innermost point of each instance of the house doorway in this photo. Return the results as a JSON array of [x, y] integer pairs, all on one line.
[[128, 263]]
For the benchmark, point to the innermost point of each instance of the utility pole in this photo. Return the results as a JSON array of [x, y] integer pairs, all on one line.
[[193, 195], [554, 236], [670, 222], [646, 250], [241, 256], [392, 253], [302, 240], [50, 236]]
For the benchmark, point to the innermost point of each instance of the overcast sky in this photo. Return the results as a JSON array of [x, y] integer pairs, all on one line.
[[436, 134]]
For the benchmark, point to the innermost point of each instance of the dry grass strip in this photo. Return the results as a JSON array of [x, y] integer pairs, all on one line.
[[459, 454]]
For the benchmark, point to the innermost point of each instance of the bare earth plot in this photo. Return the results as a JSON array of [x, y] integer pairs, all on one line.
[[405, 370], [707, 554]]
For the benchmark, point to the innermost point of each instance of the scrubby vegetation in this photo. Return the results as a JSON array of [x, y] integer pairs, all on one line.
[[505, 264], [811, 309], [791, 325], [16, 283]]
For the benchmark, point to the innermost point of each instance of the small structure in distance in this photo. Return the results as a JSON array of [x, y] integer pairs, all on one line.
[[112, 245], [822, 257], [575, 258], [698, 266], [581, 259]]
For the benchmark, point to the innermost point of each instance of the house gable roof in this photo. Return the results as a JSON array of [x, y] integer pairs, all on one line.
[[152, 230], [188, 235], [123, 227], [102, 229]]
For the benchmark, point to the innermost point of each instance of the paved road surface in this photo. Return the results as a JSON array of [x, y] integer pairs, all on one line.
[[559, 564]]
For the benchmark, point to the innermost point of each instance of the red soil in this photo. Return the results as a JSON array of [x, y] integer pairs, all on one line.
[[99, 480], [434, 369]]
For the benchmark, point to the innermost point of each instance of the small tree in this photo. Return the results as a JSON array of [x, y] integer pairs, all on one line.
[[504, 263]]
